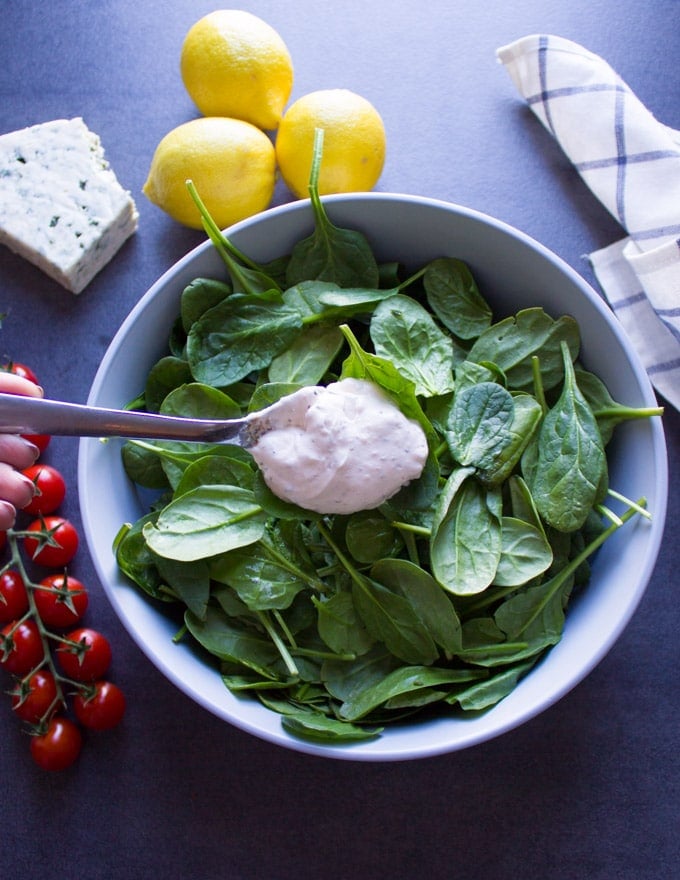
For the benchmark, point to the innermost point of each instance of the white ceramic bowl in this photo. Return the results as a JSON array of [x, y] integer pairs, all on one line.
[[513, 271]]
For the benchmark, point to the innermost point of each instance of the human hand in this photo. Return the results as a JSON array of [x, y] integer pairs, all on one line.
[[16, 453]]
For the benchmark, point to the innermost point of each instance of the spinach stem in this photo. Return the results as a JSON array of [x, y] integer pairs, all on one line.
[[349, 568], [488, 597], [213, 231], [409, 533], [314, 582], [643, 511], [323, 655], [539, 391], [284, 626], [628, 412], [412, 279], [278, 641], [423, 531], [411, 547], [497, 648], [609, 514], [555, 584], [179, 635], [441, 449], [230, 254]]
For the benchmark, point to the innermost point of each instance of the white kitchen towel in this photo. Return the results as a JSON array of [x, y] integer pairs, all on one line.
[[631, 162]]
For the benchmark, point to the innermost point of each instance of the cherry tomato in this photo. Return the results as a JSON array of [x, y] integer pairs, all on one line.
[[13, 596], [62, 602], [102, 710], [3, 540], [55, 542], [90, 659], [59, 747], [50, 489], [32, 699], [21, 370], [21, 649]]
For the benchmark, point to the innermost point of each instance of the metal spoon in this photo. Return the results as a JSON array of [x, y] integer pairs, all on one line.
[[32, 415]]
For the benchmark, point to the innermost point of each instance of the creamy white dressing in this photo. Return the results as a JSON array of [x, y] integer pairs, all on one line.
[[339, 449]]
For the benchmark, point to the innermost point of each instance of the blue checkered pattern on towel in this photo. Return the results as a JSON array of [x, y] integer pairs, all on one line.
[[631, 162]]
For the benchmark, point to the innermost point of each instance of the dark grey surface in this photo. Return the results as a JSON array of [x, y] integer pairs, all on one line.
[[589, 788]]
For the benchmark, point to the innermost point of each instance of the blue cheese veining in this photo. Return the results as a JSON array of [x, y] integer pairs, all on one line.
[[61, 206], [339, 449]]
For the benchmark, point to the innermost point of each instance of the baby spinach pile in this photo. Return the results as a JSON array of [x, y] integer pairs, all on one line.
[[449, 593]]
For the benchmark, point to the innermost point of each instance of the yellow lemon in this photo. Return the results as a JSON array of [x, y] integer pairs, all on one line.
[[353, 145], [234, 64], [231, 162]]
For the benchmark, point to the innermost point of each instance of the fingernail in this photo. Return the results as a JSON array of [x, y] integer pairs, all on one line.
[[8, 515], [27, 481], [33, 448]]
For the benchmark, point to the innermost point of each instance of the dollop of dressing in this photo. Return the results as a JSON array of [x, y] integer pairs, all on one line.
[[339, 449]]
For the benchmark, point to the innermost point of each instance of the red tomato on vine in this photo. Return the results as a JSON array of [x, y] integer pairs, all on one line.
[[88, 658], [50, 489], [32, 699], [59, 746], [21, 647], [53, 542], [13, 596], [61, 600], [102, 709]]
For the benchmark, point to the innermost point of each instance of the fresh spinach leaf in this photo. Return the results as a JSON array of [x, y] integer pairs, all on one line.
[[199, 401], [343, 678], [404, 333], [608, 413], [206, 521], [246, 276], [406, 679], [431, 604], [525, 553], [136, 560], [189, 581], [230, 470], [369, 537], [513, 342], [316, 726], [200, 295], [261, 580], [165, 375], [454, 297], [465, 547], [309, 357], [570, 461], [340, 626], [226, 639], [478, 428], [484, 694], [143, 466], [527, 415], [331, 253], [391, 619], [240, 335]]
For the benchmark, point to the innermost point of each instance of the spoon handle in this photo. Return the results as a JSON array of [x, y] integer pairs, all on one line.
[[32, 415]]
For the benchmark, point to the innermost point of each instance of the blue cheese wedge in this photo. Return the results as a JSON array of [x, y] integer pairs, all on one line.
[[61, 206]]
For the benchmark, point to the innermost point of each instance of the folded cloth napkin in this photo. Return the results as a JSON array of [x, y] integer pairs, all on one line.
[[631, 162]]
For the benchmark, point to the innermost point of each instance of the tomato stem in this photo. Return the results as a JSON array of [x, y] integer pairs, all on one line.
[[45, 634]]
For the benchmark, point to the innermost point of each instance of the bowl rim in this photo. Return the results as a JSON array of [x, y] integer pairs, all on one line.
[[478, 732]]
